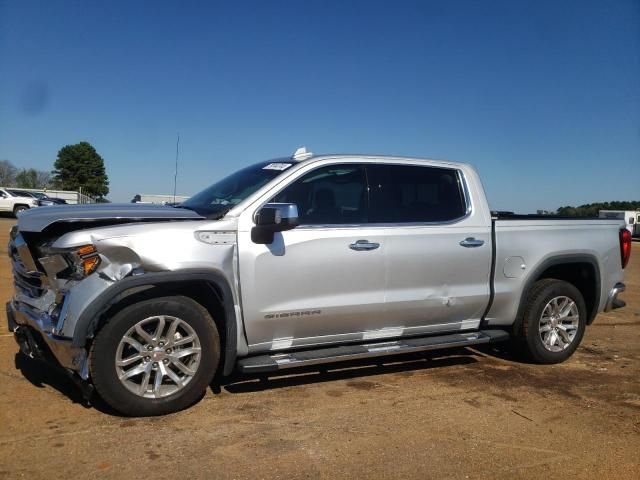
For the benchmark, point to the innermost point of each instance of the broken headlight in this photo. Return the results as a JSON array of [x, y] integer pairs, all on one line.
[[84, 260], [81, 262]]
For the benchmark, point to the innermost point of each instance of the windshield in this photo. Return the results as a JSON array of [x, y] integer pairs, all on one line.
[[222, 196]]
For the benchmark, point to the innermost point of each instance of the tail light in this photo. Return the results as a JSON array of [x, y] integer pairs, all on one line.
[[625, 246]]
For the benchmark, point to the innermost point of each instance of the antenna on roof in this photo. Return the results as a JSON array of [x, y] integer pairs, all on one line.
[[175, 176], [302, 154]]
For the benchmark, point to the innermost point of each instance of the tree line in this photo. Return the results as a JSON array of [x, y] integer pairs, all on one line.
[[11, 176], [76, 167], [592, 209]]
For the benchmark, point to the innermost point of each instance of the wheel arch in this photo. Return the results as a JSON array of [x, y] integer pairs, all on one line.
[[582, 271], [209, 288], [18, 205]]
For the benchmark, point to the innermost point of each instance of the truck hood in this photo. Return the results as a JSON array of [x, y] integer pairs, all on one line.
[[37, 219]]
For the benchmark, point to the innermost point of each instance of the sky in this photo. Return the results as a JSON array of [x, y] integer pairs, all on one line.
[[543, 97]]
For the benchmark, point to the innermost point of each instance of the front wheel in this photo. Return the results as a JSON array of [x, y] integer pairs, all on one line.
[[553, 321], [19, 208], [156, 356]]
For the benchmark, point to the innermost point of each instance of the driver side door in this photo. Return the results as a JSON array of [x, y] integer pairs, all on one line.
[[315, 284]]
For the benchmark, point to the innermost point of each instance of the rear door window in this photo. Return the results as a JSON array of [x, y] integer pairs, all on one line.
[[414, 194]]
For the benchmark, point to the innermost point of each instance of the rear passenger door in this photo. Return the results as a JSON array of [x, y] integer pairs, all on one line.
[[438, 252]]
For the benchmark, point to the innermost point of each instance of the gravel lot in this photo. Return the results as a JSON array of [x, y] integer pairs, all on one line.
[[460, 414]]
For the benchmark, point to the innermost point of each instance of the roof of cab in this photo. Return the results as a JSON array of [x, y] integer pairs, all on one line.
[[302, 154]]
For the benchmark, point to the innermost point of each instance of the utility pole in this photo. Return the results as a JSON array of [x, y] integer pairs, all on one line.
[[175, 177]]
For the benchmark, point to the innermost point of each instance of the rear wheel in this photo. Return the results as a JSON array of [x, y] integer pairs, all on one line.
[[156, 356], [553, 322]]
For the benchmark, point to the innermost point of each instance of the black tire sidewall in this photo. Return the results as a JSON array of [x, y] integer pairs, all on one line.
[[19, 209], [103, 352], [538, 299]]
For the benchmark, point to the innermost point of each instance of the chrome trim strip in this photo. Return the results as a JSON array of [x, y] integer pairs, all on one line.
[[465, 192], [25, 255], [280, 361]]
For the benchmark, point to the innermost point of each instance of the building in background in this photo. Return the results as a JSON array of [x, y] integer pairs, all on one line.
[[161, 199]]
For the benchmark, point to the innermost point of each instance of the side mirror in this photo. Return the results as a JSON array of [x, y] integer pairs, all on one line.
[[272, 218]]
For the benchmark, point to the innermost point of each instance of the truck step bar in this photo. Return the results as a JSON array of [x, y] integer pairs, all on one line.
[[279, 361]]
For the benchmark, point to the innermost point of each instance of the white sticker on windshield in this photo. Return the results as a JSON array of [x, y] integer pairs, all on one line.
[[277, 166]]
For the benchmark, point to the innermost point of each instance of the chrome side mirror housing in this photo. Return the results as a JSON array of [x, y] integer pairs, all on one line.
[[272, 218]]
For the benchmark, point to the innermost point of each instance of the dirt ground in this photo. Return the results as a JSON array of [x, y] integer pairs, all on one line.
[[458, 414]]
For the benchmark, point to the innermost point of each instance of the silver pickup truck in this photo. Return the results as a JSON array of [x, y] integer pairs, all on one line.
[[300, 261]]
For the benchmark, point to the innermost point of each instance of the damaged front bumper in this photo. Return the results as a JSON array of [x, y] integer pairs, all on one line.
[[33, 331]]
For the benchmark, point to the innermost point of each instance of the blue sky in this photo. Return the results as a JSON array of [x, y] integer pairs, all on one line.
[[542, 96]]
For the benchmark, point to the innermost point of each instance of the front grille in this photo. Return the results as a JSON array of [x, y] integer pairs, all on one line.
[[27, 283]]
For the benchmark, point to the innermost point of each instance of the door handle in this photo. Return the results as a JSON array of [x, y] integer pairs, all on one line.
[[363, 245], [471, 242]]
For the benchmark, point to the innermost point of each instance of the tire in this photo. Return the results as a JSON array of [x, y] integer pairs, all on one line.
[[543, 318], [19, 208], [139, 393]]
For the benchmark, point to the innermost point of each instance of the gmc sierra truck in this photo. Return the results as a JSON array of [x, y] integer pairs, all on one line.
[[300, 261]]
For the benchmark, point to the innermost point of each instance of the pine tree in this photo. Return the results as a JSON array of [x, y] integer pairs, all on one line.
[[80, 166]]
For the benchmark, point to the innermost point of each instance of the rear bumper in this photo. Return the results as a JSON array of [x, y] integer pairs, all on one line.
[[613, 301], [32, 331]]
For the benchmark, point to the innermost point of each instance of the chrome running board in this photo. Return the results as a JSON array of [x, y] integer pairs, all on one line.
[[279, 361]]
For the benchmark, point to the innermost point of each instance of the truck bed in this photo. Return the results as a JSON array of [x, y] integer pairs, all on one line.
[[524, 246]]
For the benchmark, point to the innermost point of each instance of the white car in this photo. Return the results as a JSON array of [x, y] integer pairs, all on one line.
[[15, 203]]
